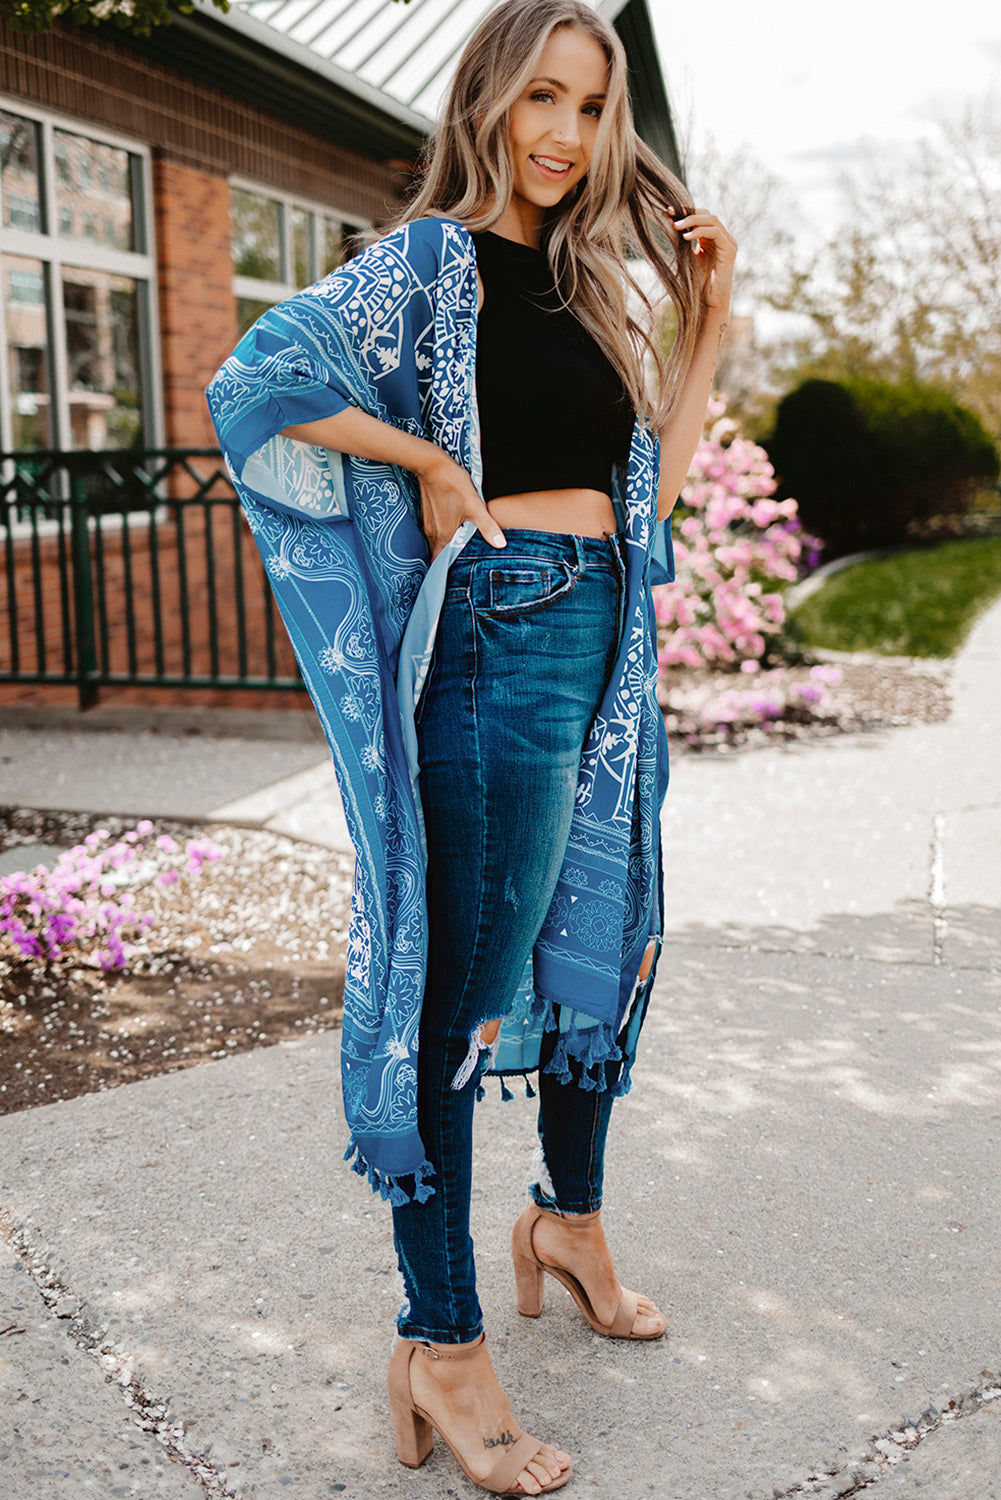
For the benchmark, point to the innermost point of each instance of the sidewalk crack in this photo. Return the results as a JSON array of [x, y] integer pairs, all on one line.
[[148, 1411], [887, 1449], [936, 890]]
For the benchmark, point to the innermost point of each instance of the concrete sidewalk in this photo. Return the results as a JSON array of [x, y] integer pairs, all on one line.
[[804, 1176]]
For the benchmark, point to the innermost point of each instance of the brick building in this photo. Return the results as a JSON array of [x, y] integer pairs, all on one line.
[[156, 195]]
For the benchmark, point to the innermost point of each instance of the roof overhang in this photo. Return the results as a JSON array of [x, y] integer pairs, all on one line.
[[651, 109], [252, 61], [248, 60]]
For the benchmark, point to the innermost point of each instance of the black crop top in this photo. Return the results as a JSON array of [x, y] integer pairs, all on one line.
[[554, 414]]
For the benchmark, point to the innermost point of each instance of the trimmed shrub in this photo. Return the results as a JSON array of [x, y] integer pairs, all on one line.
[[872, 463]]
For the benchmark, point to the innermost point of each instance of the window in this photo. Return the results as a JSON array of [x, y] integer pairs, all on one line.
[[22, 213], [28, 370], [279, 246], [257, 236], [25, 285], [19, 183], [76, 281], [101, 318]]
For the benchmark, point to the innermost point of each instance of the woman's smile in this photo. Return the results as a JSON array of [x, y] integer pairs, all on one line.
[[551, 167]]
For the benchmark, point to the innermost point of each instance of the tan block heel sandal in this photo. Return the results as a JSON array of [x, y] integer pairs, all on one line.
[[530, 1280], [415, 1428]]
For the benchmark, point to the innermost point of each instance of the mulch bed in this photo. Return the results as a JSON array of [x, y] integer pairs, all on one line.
[[251, 951]]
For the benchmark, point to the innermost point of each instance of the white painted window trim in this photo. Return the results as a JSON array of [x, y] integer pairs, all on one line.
[[55, 252], [277, 291]]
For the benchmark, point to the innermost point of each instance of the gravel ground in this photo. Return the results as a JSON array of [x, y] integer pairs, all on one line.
[[879, 691], [875, 692], [252, 949]]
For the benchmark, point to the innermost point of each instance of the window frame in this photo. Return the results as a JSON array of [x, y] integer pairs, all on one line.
[[56, 251], [250, 288]]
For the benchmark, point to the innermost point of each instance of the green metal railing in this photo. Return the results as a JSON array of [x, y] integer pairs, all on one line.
[[132, 568]]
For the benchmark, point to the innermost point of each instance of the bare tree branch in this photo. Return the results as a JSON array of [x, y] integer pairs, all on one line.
[[911, 288]]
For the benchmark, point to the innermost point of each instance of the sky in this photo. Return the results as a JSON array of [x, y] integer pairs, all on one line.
[[807, 86]]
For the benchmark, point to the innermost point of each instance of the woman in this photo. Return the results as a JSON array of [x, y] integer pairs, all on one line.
[[492, 713]]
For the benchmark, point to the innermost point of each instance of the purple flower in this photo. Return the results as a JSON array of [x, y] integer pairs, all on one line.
[[75, 907], [810, 692]]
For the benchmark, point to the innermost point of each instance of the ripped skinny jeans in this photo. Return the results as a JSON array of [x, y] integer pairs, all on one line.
[[525, 646]]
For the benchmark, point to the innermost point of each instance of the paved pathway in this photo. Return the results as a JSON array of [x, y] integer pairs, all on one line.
[[805, 1175]]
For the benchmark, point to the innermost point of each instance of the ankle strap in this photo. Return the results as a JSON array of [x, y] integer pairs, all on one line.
[[572, 1221], [452, 1351]]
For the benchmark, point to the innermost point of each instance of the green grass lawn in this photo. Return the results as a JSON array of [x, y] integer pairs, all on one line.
[[915, 603]]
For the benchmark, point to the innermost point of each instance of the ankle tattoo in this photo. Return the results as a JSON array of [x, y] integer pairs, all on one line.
[[504, 1441]]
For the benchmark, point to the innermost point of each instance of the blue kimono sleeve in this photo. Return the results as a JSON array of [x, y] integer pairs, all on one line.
[[267, 384], [365, 336]]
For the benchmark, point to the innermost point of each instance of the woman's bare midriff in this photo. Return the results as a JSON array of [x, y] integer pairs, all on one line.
[[572, 512]]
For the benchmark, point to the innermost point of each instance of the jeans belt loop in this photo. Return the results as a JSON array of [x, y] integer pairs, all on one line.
[[578, 548]]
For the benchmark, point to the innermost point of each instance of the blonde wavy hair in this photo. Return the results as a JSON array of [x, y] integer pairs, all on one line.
[[622, 206]]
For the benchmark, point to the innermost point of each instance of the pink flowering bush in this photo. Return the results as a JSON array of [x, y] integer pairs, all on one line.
[[734, 545], [84, 909]]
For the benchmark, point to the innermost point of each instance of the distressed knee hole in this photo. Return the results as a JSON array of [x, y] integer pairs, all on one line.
[[540, 1177], [482, 1040]]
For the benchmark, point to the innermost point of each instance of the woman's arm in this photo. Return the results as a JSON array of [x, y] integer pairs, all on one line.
[[448, 495], [716, 249]]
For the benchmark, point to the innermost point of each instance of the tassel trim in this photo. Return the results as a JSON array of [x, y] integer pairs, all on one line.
[[540, 1006], [393, 1188], [624, 1082], [590, 1049], [505, 1092]]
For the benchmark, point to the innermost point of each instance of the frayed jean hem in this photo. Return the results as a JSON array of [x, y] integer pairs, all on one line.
[[437, 1335], [543, 1200]]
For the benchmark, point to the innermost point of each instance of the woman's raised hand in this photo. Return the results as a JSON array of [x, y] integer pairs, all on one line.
[[448, 498], [715, 252]]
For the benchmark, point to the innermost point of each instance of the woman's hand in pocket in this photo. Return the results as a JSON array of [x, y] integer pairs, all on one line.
[[448, 498]]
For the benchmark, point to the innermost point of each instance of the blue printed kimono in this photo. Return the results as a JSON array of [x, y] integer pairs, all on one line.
[[394, 333]]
